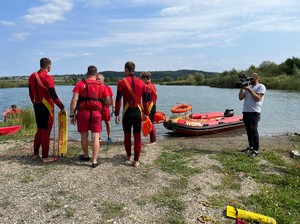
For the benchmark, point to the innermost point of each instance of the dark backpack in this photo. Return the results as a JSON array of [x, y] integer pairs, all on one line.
[[91, 99]]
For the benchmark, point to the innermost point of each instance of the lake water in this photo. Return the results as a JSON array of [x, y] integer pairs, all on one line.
[[280, 112]]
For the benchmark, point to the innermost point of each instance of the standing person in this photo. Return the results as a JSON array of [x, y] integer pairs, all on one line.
[[105, 110], [88, 95], [152, 97], [43, 96], [132, 89], [253, 96]]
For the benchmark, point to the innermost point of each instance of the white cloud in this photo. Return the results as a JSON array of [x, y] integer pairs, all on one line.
[[20, 36], [176, 10], [7, 23], [50, 12]]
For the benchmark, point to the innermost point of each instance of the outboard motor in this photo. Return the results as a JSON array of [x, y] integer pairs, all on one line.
[[228, 113]]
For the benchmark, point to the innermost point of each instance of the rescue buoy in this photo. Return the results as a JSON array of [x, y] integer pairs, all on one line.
[[181, 108], [159, 117]]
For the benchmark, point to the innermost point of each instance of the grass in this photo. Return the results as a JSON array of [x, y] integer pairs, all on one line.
[[70, 212], [279, 198], [169, 198], [273, 158], [234, 163], [4, 203], [27, 179], [176, 162], [229, 182], [111, 210], [52, 205]]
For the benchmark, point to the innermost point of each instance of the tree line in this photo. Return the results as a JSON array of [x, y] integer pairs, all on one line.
[[283, 76]]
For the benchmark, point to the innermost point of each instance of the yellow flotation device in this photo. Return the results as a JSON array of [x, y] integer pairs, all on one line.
[[234, 213]]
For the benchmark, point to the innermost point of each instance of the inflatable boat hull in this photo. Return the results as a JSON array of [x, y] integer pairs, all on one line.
[[208, 124]]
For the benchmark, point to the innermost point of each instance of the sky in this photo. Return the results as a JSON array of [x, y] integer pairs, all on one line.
[[157, 35]]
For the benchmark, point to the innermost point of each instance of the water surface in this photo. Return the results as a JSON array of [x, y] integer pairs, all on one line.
[[280, 112]]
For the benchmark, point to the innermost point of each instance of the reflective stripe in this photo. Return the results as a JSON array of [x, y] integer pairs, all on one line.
[[127, 106], [49, 106], [150, 107]]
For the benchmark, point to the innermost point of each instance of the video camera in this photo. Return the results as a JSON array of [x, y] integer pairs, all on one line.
[[243, 81]]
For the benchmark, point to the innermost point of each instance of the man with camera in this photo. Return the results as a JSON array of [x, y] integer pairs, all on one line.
[[252, 92]]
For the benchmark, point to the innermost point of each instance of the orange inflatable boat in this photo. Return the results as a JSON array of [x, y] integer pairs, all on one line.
[[203, 123]]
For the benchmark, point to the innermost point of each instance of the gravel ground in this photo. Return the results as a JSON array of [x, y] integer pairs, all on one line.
[[69, 191]]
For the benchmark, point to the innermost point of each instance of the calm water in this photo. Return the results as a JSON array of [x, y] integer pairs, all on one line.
[[280, 112]]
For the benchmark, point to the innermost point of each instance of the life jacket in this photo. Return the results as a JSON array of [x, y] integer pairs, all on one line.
[[91, 97]]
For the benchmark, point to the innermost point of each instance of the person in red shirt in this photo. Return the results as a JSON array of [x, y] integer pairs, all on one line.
[[85, 109], [43, 96], [152, 97], [12, 113], [105, 110], [132, 89]]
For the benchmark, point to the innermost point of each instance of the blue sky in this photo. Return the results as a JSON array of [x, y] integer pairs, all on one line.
[[157, 35]]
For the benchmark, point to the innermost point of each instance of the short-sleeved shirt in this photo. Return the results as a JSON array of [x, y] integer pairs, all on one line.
[[250, 104]]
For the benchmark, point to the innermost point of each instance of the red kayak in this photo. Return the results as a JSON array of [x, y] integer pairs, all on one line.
[[9, 130], [205, 123]]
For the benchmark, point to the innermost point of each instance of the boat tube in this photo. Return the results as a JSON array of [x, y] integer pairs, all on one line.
[[203, 123]]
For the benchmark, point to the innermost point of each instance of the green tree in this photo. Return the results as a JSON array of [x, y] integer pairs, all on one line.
[[199, 78], [268, 68], [190, 78], [166, 79], [288, 66]]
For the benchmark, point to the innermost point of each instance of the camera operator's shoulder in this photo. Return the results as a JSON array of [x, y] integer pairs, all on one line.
[[261, 88]]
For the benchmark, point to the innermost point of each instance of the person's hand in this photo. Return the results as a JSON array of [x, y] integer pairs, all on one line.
[[113, 110], [247, 88], [117, 120], [63, 111], [73, 120]]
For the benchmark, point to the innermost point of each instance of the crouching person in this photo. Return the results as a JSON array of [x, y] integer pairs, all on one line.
[[88, 95]]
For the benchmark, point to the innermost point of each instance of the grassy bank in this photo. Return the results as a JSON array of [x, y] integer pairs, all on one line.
[[278, 196]]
